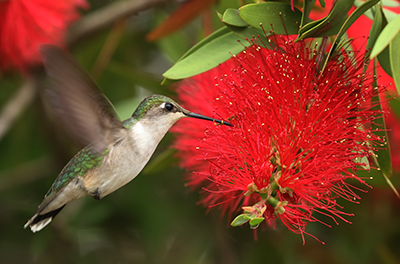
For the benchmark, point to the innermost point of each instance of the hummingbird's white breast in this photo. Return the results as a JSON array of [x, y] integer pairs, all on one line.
[[126, 158]]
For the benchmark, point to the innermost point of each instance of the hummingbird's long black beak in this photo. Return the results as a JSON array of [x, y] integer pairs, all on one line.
[[194, 115]]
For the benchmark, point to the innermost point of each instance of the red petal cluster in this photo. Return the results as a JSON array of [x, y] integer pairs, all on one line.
[[26, 24], [298, 135]]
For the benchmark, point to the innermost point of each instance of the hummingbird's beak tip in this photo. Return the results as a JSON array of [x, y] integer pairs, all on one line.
[[222, 122], [227, 123], [194, 115]]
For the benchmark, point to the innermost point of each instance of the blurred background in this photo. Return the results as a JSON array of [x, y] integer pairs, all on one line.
[[155, 218]]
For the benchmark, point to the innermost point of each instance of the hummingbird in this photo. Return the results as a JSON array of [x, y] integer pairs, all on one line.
[[115, 152]]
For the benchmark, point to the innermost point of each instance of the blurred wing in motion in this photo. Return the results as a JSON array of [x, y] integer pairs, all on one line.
[[84, 111]]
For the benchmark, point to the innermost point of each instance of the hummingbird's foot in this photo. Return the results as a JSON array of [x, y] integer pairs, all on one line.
[[96, 194]]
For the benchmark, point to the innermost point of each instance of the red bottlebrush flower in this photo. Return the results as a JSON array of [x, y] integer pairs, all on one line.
[[26, 24], [298, 137]]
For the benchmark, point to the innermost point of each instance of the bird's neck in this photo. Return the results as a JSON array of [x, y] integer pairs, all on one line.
[[146, 134]]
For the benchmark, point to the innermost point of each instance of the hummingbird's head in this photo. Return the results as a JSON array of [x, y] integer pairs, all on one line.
[[166, 111]]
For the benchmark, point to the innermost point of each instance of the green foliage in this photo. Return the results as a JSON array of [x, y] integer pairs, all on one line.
[[207, 55], [279, 15], [387, 35], [249, 22], [330, 25]]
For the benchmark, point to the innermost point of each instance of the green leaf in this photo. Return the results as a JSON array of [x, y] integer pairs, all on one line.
[[250, 33], [240, 220], [363, 160], [322, 3], [355, 15], [374, 32], [219, 15], [379, 23], [245, 32], [395, 105], [369, 13], [280, 15], [349, 21], [384, 61], [209, 55], [256, 221], [216, 34], [382, 159], [307, 6], [384, 56], [231, 17], [394, 51], [390, 3], [330, 25], [389, 14], [387, 35]]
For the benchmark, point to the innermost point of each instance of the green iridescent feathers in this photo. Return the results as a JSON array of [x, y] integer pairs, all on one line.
[[149, 103], [79, 165]]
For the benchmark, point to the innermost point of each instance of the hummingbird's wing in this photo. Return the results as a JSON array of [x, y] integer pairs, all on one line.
[[84, 111]]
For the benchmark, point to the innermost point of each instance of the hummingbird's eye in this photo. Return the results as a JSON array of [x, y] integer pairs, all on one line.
[[169, 106]]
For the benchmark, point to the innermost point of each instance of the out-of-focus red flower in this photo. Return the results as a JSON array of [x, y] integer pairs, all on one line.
[[298, 137], [26, 24]]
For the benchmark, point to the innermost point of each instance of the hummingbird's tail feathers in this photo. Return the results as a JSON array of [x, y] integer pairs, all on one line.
[[39, 221]]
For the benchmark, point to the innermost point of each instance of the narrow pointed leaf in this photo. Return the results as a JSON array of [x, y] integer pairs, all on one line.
[[250, 34], [384, 56], [231, 17], [394, 48], [364, 161], [389, 14], [349, 21], [240, 220], [216, 34], [206, 57], [384, 61], [247, 32], [219, 15], [355, 15], [374, 32], [383, 158], [256, 221], [307, 6], [330, 25], [395, 106], [283, 19], [390, 3], [369, 13], [387, 35]]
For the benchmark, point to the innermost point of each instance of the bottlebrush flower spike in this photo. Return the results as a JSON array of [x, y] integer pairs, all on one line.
[[26, 24], [298, 137]]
